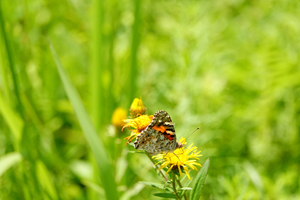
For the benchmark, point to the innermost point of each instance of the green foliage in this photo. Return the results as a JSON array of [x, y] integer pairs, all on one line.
[[159, 186], [9, 160], [199, 181], [166, 195], [230, 67], [105, 168]]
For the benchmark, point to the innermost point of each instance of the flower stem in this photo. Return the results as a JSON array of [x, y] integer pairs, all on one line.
[[156, 167], [174, 185], [180, 185]]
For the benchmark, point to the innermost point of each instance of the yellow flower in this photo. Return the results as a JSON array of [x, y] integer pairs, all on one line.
[[181, 159], [137, 108], [139, 124], [118, 117]]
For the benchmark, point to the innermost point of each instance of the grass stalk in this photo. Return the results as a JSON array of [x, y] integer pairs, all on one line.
[[180, 185], [90, 133], [133, 72], [163, 175], [10, 61], [97, 100], [97, 65], [174, 185], [4, 77], [110, 65]]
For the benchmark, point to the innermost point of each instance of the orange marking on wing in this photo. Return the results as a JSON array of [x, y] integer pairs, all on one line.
[[169, 137], [161, 129]]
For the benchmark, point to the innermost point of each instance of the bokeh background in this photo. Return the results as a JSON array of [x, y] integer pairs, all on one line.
[[230, 67]]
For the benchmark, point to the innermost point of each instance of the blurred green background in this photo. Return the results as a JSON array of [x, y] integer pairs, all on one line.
[[230, 67]]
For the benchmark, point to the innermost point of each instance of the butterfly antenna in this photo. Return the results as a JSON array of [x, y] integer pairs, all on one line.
[[192, 132]]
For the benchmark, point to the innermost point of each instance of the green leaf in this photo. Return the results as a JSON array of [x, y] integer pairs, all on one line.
[[99, 152], [94, 186], [9, 160], [185, 188], [182, 191], [133, 191], [159, 186], [13, 121], [133, 70], [166, 195], [11, 62], [45, 179], [199, 181], [254, 176], [188, 183]]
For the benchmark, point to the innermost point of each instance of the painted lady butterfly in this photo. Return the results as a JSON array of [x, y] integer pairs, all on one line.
[[159, 136]]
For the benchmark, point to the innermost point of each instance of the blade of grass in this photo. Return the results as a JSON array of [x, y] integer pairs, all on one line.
[[10, 61], [99, 152], [133, 191], [97, 68], [199, 181], [159, 186], [9, 160], [134, 49], [110, 64], [94, 187], [254, 176], [45, 179], [166, 195], [13, 121], [4, 76], [96, 72]]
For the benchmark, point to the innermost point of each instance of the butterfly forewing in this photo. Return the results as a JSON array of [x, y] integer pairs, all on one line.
[[159, 136]]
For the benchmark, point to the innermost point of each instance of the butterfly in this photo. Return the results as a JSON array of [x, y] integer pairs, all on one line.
[[159, 136]]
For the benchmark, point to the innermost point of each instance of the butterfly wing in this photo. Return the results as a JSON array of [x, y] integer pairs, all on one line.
[[159, 136]]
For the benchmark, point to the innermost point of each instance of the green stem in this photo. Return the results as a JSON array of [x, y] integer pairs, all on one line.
[[11, 61], [97, 65], [180, 185], [156, 167], [174, 185], [134, 50]]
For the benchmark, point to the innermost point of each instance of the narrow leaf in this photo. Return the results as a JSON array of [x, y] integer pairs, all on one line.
[[9, 54], [13, 121], [254, 176], [94, 186], [133, 191], [159, 186], [188, 183], [99, 152], [199, 181], [185, 188], [166, 195], [9, 160], [45, 179]]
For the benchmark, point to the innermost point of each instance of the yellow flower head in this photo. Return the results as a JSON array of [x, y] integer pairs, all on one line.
[[118, 117], [137, 108], [180, 159], [139, 124]]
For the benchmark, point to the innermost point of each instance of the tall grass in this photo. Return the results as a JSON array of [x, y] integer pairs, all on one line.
[[228, 67], [8, 53], [97, 69], [99, 152], [133, 70]]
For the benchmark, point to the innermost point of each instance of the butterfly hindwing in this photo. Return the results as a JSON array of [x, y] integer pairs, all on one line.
[[159, 136]]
